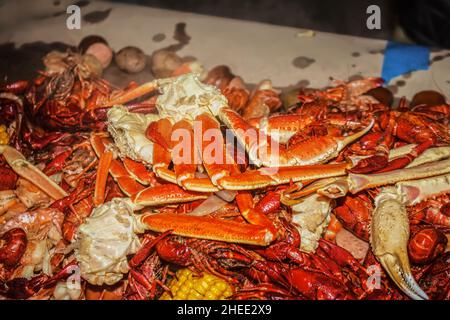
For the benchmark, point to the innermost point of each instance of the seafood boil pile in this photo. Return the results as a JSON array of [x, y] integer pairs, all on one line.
[[193, 186]]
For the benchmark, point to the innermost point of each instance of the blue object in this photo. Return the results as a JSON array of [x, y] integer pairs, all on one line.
[[403, 58]]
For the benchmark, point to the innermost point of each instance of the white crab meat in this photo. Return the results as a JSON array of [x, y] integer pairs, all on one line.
[[105, 239], [311, 216], [186, 97], [128, 131]]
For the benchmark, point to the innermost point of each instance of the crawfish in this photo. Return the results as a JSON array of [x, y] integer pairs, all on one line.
[[433, 211], [214, 257], [22, 288], [14, 247], [426, 244], [77, 206], [438, 112], [9, 178], [354, 213], [434, 278], [146, 281]]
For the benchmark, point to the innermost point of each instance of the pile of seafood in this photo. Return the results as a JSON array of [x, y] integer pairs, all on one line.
[[339, 193]]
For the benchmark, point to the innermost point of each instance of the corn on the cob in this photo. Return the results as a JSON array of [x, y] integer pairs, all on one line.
[[4, 138], [189, 286]]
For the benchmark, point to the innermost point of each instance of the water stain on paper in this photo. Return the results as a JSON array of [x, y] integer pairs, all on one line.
[[97, 16], [159, 37], [439, 58], [355, 77], [407, 75], [302, 62], [181, 36], [82, 3], [180, 33], [400, 83], [378, 51]]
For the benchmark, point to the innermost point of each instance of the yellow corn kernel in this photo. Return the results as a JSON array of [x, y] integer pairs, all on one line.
[[2, 128], [189, 286], [4, 138]]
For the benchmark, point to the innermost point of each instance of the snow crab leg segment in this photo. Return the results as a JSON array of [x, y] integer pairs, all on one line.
[[29, 172], [254, 216], [165, 194], [322, 149], [159, 132], [281, 127], [389, 239], [217, 162], [184, 160], [175, 143], [416, 191], [264, 177], [333, 188], [208, 228], [139, 172], [359, 182], [430, 155], [126, 182], [312, 151], [132, 94], [102, 175], [257, 144], [200, 185]]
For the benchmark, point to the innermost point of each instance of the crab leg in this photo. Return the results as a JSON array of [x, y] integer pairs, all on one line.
[[151, 196], [416, 191], [264, 177], [334, 187], [109, 235], [217, 162], [389, 238], [184, 163], [139, 172], [102, 175], [159, 132], [359, 182], [266, 151], [252, 215], [430, 155], [322, 149], [181, 153], [200, 185], [258, 145], [126, 182], [209, 228], [133, 94], [281, 127], [165, 194], [29, 172]]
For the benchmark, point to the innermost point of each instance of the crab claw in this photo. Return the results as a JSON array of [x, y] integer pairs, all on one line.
[[26, 170], [389, 238], [399, 271]]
